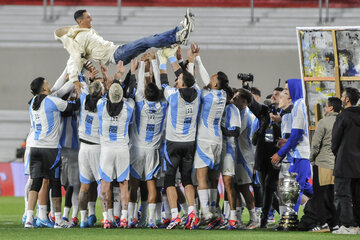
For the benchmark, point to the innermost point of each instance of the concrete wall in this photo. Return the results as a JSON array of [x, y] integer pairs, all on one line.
[[19, 66]]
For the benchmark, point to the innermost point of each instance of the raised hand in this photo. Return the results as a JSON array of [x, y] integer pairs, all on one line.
[[92, 73], [195, 49], [161, 56], [190, 56], [153, 55], [120, 70], [134, 65], [88, 65], [170, 52]]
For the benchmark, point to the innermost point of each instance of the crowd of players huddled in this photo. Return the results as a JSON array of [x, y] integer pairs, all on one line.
[[157, 151]]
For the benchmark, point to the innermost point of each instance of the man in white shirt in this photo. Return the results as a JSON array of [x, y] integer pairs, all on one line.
[[83, 42]]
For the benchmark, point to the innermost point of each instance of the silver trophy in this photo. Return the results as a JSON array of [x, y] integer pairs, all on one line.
[[288, 191]]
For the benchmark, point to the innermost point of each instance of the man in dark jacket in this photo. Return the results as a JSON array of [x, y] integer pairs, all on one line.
[[265, 140], [346, 148]]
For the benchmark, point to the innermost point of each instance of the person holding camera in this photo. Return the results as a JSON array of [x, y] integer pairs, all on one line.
[[265, 139]]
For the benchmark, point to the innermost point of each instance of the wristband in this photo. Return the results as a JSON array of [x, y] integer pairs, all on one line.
[[163, 66], [172, 59], [147, 74]]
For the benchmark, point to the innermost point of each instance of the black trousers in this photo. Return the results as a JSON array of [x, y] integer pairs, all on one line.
[[323, 201], [347, 200], [269, 178]]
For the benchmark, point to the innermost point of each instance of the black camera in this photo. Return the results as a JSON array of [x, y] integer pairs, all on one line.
[[246, 77], [273, 109]]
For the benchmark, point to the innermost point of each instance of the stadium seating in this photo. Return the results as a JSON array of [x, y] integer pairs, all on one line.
[[198, 3]]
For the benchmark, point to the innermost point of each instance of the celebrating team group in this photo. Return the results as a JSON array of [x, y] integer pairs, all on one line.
[[145, 141]]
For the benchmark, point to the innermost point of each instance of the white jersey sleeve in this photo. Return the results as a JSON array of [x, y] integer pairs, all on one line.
[[299, 121]]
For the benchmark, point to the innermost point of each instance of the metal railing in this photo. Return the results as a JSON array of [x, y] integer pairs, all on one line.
[[327, 19], [51, 17]]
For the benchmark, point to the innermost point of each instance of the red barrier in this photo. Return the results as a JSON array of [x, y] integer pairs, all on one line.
[[6, 180]]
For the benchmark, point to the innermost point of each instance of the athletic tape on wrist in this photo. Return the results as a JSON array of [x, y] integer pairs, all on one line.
[[172, 59]]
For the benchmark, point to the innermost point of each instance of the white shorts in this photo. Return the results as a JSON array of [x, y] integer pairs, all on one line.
[[207, 155], [228, 160], [243, 174], [89, 160], [27, 161], [114, 164], [144, 163]]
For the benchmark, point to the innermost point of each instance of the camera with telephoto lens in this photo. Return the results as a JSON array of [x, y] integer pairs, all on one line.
[[246, 77]]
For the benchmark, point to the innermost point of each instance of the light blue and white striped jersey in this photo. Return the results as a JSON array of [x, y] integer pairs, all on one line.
[[46, 122], [246, 152], [286, 129], [148, 124], [89, 122], [299, 121], [285, 125], [212, 107], [181, 120], [114, 131], [231, 120]]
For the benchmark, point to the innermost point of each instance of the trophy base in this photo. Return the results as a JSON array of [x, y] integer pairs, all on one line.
[[288, 222]]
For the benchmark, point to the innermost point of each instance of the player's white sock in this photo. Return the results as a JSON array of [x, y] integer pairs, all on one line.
[[184, 207], [117, 203], [166, 206], [226, 209], [105, 216], [42, 212], [124, 214], [174, 212], [29, 216], [135, 214], [66, 212], [158, 211], [52, 208], [131, 207], [192, 209], [58, 217], [252, 215], [83, 215], [152, 208], [204, 200], [91, 207], [27, 189], [110, 214], [232, 215], [75, 211]]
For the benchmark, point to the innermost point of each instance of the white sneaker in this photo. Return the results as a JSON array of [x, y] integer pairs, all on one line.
[[28, 225], [62, 224], [188, 25], [346, 230], [208, 217], [252, 224]]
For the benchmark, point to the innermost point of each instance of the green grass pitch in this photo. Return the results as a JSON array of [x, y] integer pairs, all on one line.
[[12, 208]]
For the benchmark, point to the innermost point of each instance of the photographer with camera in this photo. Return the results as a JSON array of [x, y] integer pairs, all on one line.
[[265, 140], [246, 79]]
